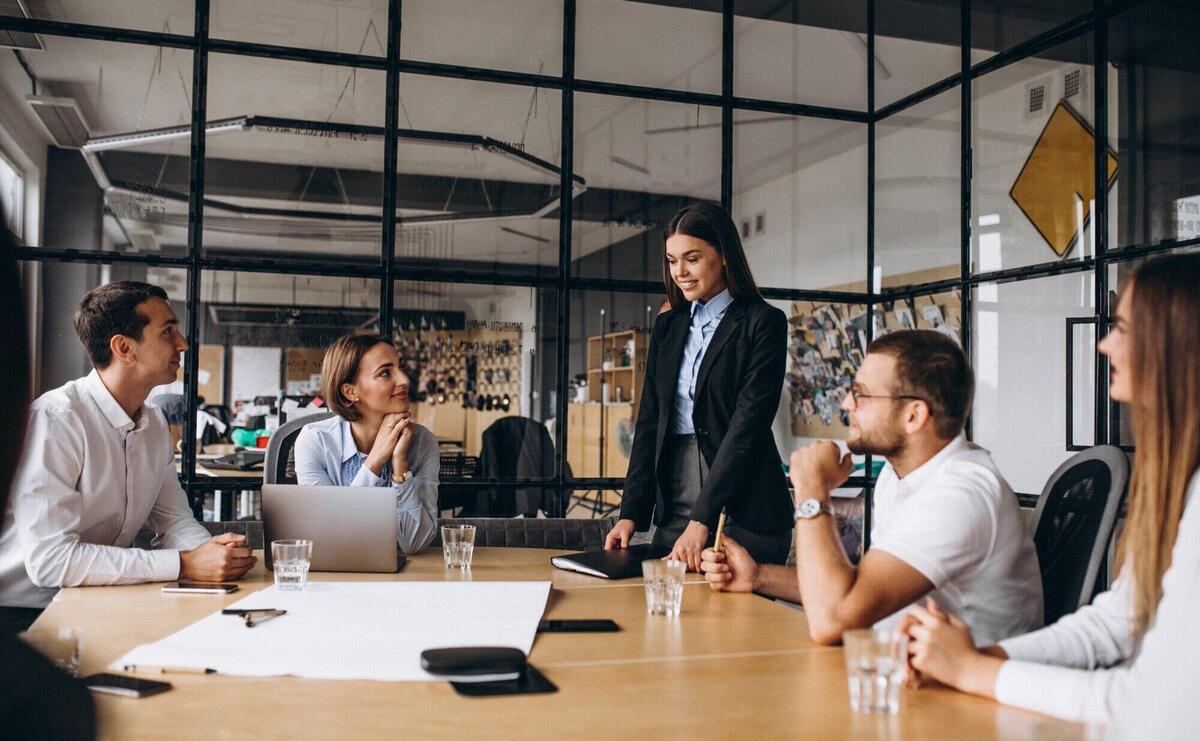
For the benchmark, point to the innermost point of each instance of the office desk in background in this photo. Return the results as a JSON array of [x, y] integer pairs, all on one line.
[[731, 666]]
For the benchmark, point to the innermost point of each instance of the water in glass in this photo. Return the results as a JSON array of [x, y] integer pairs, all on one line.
[[292, 574], [875, 684]]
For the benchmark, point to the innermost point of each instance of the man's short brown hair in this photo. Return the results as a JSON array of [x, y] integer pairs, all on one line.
[[340, 366], [111, 310], [931, 366]]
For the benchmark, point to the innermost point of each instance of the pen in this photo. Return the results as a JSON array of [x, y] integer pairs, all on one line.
[[254, 618], [719, 545], [167, 669], [242, 612]]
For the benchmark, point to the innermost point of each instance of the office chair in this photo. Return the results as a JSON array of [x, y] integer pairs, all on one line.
[[558, 533], [1073, 523], [515, 448], [280, 464]]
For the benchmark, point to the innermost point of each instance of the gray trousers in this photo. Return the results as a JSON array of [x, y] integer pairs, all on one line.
[[684, 472]]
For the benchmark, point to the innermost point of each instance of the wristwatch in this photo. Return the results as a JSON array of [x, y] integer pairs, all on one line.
[[404, 477], [810, 508]]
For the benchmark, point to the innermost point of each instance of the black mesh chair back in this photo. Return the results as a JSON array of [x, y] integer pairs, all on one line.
[[1073, 523], [280, 464], [558, 533]]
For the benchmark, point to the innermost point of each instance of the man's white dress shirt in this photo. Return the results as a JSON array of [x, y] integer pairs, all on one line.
[[90, 478]]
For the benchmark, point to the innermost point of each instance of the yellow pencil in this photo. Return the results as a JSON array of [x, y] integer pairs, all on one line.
[[719, 546]]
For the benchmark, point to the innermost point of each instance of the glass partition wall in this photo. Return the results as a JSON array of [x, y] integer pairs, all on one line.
[[488, 184]]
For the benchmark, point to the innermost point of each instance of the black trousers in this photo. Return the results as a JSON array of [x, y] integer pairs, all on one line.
[[686, 470], [15, 620]]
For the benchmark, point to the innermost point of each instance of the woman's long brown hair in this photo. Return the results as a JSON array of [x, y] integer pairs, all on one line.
[[1165, 360]]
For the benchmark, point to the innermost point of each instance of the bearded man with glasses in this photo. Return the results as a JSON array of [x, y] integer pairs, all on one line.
[[946, 524]]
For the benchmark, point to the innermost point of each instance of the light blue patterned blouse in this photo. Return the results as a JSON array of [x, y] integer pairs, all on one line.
[[327, 456]]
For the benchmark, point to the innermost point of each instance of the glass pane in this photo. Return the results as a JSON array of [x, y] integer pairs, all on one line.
[[802, 52], [1018, 347], [799, 198], [916, 44], [918, 192], [519, 35], [294, 160], [675, 46], [1034, 164], [482, 360], [609, 336], [57, 288], [354, 28], [114, 123], [999, 25], [262, 339], [161, 16], [477, 175], [642, 161], [1154, 66]]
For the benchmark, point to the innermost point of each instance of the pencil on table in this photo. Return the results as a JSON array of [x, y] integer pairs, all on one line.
[[719, 545]]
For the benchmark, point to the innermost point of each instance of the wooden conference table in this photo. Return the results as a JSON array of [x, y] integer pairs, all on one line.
[[730, 666]]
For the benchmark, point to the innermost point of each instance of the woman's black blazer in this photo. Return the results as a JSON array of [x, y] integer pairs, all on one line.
[[738, 389]]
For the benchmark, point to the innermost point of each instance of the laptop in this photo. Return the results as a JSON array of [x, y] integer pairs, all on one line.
[[353, 528], [242, 460]]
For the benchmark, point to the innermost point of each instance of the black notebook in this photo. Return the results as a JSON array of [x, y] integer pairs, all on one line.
[[619, 563]]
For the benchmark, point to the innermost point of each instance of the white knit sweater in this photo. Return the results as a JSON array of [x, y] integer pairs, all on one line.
[[1090, 666]]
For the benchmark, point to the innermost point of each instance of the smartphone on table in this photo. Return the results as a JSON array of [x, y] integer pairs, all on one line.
[[119, 684], [577, 626], [199, 587]]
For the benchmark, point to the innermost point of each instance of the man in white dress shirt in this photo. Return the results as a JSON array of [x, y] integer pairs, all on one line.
[[98, 466], [946, 523]]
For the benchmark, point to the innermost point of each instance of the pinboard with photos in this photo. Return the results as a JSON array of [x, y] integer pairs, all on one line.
[[826, 346]]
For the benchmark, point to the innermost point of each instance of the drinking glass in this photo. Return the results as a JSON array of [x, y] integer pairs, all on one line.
[[291, 559], [458, 545], [664, 586], [875, 668]]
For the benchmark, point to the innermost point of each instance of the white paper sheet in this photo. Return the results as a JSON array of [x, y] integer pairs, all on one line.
[[354, 630]]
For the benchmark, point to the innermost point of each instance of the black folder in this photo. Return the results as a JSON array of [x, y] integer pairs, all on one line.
[[619, 563]]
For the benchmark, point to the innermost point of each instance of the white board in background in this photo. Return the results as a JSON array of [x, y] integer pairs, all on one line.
[[353, 630], [256, 371]]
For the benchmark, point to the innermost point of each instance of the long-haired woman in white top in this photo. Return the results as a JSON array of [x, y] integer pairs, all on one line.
[[1131, 659]]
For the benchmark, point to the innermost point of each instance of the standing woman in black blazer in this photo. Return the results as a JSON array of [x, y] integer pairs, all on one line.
[[714, 376]]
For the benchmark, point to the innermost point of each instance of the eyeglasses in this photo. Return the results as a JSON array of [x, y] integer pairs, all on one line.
[[858, 396]]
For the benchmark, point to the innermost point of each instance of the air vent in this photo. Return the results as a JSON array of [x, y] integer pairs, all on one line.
[[62, 119], [1037, 99], [17, 39], [144, 242], [298, 317], [1072, 83]]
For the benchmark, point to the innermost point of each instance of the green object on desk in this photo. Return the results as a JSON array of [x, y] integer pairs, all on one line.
[[246, 438], [876, 467]]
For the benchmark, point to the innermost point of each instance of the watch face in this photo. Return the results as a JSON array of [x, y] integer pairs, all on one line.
[[810, 508]]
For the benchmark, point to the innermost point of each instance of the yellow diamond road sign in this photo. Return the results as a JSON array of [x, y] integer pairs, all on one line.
[[1057, 176]]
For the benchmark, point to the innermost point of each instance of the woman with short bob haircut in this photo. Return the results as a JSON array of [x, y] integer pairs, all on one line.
[[372, 439], [1128, 659], [714, 375]]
